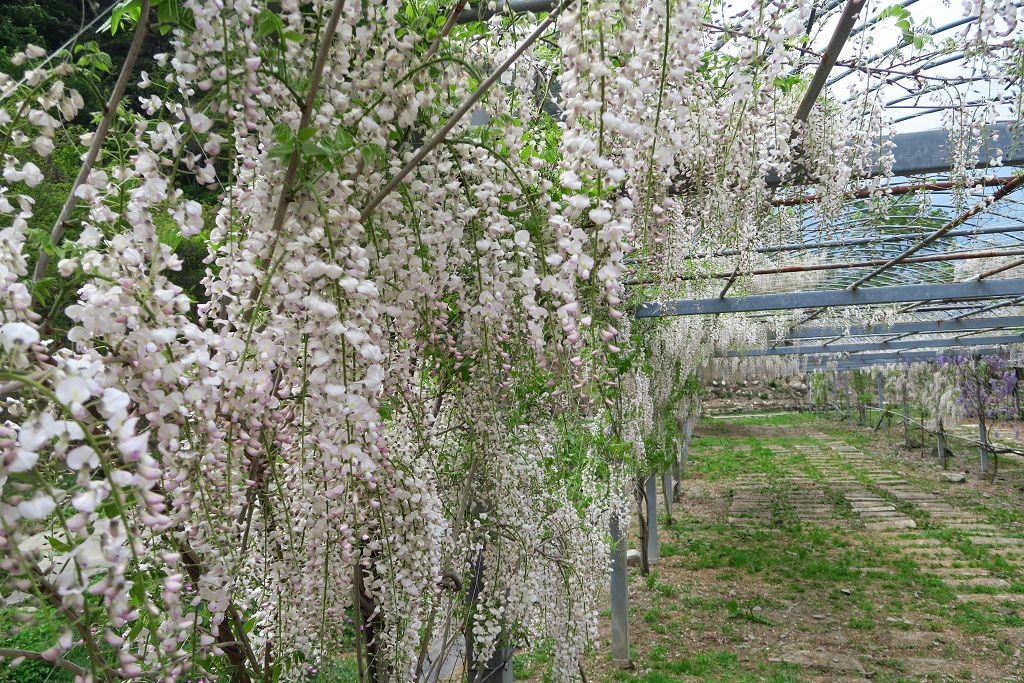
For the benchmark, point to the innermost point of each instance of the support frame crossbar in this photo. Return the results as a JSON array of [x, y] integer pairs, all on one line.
[[835, 298], [818, 349], [910, 327], [869, 360]]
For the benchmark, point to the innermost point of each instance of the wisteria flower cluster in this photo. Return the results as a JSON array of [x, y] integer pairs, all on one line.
[[398, 414]]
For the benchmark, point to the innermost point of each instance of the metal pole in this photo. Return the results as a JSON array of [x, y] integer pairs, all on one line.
[[691, 420], [944, 325], [849, 400], [941, 436], [651, 496], [983, 438], [677, 471], [856, 242], [844, 265], [906, 407], [892, 191], [912, 344], [881, 395], [827, 298], [667, 489], [619, 595]]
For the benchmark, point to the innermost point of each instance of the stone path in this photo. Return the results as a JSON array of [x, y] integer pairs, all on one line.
[[846, 489], [958, 571]]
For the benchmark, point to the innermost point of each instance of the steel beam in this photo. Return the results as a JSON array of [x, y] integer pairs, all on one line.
[[869, 360], [481, 13], [651, 497], [893, 190], [849, 265], [927, 152], [911, 327], [817, 350], [619, 593], [868, 296], [861, 241], [979, 207]]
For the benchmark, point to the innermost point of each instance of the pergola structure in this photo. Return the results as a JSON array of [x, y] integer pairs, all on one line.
[[933, 245], [914, 260], [942, 217]]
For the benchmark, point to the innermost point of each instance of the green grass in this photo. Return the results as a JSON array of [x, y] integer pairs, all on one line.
[[653, 615], [861, 623], [715, 666]]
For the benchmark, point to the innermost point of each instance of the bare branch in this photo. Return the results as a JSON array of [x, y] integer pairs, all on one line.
[[14, 653]]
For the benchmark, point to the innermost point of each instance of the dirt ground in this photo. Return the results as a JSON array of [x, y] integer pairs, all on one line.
[[808, 549]]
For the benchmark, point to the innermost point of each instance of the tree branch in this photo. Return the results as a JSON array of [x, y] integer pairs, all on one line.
[[99, 137], [466, 107], [13, 653]]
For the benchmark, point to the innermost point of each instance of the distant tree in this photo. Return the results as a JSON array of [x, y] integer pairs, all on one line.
[[987, 386]]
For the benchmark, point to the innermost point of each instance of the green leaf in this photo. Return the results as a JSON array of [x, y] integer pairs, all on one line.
[[58, 545], [307, 134], [342, 140], [169, 14], [126, 8], [281, 151], [293, 36], [108, 508], [312, 149], [268, 24], [373, 154], [138, 589], [282, 133], [898, 11]]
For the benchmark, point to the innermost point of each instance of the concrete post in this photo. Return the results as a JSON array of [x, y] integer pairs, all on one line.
[[619, 595], [651, 496]]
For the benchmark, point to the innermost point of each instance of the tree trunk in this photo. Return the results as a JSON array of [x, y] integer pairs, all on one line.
[[941, 438], [498, 667]]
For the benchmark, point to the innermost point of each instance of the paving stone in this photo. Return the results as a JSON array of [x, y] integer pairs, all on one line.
[[928, 550], [826, 661], [996, 540], [905, 523], [978, 582], [879, 514], [960, 571], [991, 598], [916, 541]]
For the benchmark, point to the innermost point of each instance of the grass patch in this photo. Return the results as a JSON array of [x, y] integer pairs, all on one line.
[[861, 623]]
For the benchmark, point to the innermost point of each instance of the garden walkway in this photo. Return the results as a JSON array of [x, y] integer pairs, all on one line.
[[808, 551]]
